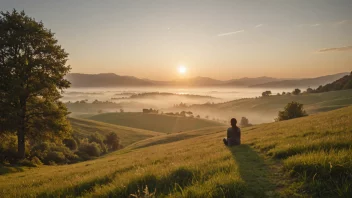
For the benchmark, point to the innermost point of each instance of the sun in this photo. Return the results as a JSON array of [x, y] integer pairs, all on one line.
[[182, 69]]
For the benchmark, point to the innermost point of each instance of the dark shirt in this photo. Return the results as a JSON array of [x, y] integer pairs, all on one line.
[[234, 136]]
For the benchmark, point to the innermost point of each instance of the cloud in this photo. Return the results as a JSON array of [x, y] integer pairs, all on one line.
[[336, 49], [230, 33], [311, 25], [342, 22], [259, 25]]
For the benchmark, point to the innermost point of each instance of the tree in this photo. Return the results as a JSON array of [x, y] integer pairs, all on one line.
[[291, 110], [266, 93], [244, 122], [296, 92], [112, 140], [309, 90], [33, 67]]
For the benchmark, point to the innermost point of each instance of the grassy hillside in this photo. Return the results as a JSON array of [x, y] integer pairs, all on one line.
[[127, 135], [310, 156], [154, 122], [265, 109]]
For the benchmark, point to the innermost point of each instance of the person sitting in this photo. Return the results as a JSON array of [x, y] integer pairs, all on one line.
[[233, 134]]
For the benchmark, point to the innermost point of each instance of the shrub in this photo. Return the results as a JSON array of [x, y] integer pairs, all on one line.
[[112, 141], [292, 110], [91, 149], [296, 92], [99, 139], [71, 144], [26, 162], [266, 93], [51, 152], [36, 161], [244, 122], [55, 156], [8, 148]]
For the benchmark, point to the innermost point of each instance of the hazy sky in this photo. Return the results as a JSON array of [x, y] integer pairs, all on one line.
[[215, 38]]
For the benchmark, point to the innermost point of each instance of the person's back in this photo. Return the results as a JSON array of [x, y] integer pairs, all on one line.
[[233, 134]]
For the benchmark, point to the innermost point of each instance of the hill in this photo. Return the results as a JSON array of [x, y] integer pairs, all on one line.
[[305, 157], [104, 80], [265, 109], [84, 128], [340, 84], [302, 83], [154, 122], [113, 80]]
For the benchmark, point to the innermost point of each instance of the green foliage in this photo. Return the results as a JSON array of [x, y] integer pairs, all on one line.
[[244, 122], [8, 148], [92, 149], [296, 92], [292, 110], [33, 66], [50, 153], [71, 144], [266, 93], [112, 141], [340, 84]]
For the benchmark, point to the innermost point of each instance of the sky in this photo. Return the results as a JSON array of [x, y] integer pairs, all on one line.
[[221, 39]]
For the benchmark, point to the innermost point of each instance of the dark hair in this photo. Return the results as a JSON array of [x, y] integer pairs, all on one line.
[[233, 121]]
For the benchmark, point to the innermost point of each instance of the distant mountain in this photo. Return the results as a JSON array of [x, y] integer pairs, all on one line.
[[114, 80], [302, 83], [340, 84], [250, 81], [105, 80]]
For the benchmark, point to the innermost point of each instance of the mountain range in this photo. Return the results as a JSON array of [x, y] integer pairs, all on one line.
[[114, 80]]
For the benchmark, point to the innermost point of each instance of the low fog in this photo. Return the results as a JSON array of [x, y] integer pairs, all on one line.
[[209, 103]]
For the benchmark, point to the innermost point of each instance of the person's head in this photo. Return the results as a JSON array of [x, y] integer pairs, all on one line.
[[233, 122]]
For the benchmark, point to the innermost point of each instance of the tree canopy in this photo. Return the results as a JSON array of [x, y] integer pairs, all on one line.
[[291, 110], [33, 66]]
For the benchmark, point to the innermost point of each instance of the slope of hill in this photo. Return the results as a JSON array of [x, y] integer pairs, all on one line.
[[265, 109], [302, 83], [113, 80], [127, 135], [250, 81], [310, 156], [155, 122], [104, 80], [340, 84]]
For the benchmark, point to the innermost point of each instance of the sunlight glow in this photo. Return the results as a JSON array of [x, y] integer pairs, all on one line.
[[182, 69]]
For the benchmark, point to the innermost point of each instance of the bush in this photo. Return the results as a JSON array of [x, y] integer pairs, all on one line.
[[266, 93], [51, 153], [26, 162], [8, 148], [91, 149], [296, 92], [112, 141], [244, 122], [36, 161], [55, 156], [70, 143], [99, 139], [292, 110]]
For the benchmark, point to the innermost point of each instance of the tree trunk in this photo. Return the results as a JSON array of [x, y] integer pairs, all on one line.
[[22, 130]]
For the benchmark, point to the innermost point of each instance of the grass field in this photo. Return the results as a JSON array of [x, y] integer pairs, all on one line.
[[306, 157], [127, 135], [155, 122], [255, 108]]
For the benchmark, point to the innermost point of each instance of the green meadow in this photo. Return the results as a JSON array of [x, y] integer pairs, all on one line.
[[305, 157], [154, 122]]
